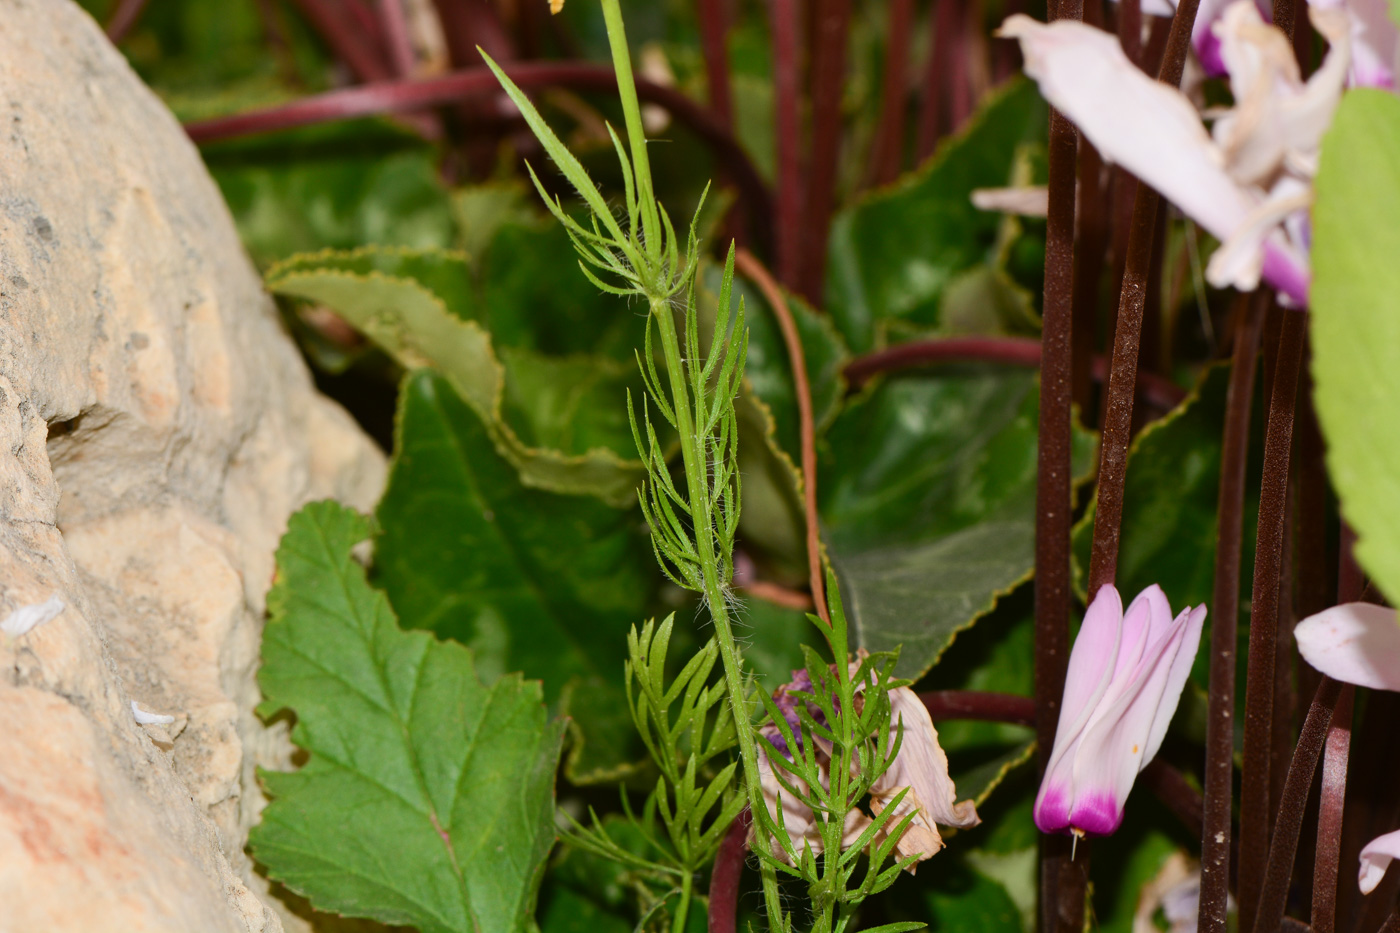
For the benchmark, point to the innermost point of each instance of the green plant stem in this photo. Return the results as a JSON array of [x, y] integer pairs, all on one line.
[[693, 457], [683, 908], [632, 116]]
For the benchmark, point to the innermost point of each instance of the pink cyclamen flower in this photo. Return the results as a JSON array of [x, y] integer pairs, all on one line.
[[1249, 181], [1126, 674], [1358, 643]]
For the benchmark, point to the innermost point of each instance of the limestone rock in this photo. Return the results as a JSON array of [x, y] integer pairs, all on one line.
[[157, 427]]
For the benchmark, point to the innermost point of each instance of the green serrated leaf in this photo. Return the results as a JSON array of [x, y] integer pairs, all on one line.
[[410, 316], [428, 798], [532, 581], [1355, 329], [928, 504], [894, 253]]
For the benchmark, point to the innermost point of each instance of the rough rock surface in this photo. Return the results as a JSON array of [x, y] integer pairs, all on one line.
[[156, 429]]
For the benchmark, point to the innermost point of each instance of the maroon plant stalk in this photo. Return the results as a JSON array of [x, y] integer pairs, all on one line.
[[1130, 29], [1255, 810], [960, 93], [395, 28], [714, 36], [724, 880], [1062, 884], [1274, 895], [887, 150], [1216, 828], [345, 41], [123, 18], [1127, 340], [832, 25], [1160, 393], [467, 24], [751, 268], [417, 94], [787, 116], [942, 40], [1331, 810]]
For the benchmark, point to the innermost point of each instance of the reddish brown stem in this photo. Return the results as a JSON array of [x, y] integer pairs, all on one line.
[[396, 38], [887, 150], [1274, 894], [417, 94], [1130, 29], [1216, 828], [467, 24], [979, 705], [724, 880], [1142, 248], [942, 40], [345, 41], [833, 23], [751, 268], [123, 18], [1013, 351], [787, 115], [1331, 810], [1255, 810], [1093, 232], [714, 42]]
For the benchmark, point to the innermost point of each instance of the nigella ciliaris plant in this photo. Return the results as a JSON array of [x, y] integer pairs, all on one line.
[[845, 741]]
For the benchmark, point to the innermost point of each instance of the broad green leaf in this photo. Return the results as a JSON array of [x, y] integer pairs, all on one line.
[[428, 797], [1355, 327], [965, 899], [418, 312], [928, 504], [481, 211], [894, 254], [532, 581], [978, 783], [1170, 500], [332, 187]]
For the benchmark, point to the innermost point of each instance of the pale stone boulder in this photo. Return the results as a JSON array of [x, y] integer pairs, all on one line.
[[157, 427]]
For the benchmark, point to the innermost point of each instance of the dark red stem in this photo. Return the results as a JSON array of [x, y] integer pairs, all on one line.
[[787, 116], [942, 40], [1220, 714], [1013, 351], [396, 39], [1091, 215], [1274, 896], [1142, 249], [123, 18], [1331, 810], [348, 43], [417, 94], [887, 150], [1255, 809], [724, 880], [714, 42], [832, 24], [979, 705]]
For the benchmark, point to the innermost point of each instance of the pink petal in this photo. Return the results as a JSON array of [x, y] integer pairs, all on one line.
[[1151, 130], [1355, 642], [1114, 747], [1376, 858], [1193, 620], [1374, 39]]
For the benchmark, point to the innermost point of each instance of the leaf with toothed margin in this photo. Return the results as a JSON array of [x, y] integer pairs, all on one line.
[[927, 495], [419, 306], [531, 580], [428, 797]]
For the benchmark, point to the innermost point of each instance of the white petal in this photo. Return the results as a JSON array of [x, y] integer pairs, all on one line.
[[1150, 129], [1374, 37], [1239, 261], [1376, 858], [27, 618], [1358, 643], [150, 719], [1033, 201]]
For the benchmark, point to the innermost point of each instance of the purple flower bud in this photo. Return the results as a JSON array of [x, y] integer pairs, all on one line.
[[1126, 674]]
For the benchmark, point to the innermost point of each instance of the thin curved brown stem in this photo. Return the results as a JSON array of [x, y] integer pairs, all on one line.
[[1330, 812], [1256, 811], [751, 268], [1216, 829]]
